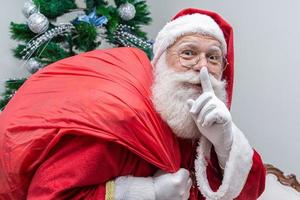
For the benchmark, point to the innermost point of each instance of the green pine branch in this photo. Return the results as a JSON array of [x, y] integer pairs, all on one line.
[[85, 38], [55, 8], [142, 15], [21, 32], [91, 4], [51, 52], [47, 53], [11, 86], [18, 51]]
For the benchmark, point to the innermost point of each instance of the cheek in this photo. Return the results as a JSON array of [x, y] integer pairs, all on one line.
[[174, 63], [215, 71]]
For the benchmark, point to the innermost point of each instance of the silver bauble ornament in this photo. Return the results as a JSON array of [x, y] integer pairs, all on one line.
[[33, 65], [29, 8], [126, 11], [38, 23]]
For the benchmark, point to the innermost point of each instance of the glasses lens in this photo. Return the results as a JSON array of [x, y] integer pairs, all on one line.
[[215, 59], [188, 62], [188, 57]]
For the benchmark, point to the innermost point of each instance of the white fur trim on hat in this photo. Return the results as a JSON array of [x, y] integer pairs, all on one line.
[[194, 23], [236, 169]]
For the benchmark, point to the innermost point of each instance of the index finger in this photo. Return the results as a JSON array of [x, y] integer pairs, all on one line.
[[205, 81]]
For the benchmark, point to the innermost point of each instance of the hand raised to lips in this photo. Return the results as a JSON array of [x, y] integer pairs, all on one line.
[[212, 118]]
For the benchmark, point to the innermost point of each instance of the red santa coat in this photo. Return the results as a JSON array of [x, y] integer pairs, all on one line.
[[88, 119]]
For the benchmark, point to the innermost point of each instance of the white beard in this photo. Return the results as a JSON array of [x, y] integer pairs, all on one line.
[[170, 92]]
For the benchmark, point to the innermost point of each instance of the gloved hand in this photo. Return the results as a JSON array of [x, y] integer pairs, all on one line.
[[212, 118], [163, 186], [172, 186]]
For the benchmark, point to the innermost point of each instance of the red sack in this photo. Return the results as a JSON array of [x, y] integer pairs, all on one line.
[[103, 93]]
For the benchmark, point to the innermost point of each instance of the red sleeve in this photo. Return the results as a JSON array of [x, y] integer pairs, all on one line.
[[255, 183], [79, 167], [72, 171]]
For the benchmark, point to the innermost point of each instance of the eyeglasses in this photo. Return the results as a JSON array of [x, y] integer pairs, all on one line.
[[189, 58]]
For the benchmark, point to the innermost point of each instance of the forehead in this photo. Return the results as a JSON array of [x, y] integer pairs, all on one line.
[[197, 40]]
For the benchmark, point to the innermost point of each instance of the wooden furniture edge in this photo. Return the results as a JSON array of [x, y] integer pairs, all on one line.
[[288, 180]]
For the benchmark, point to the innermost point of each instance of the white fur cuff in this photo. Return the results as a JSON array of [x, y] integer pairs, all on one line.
[[236, 169], [134, 188]]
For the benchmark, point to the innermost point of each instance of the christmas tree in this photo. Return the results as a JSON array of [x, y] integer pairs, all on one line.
[[44, 41]]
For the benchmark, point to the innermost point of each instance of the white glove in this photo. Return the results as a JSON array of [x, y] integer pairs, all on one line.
[[134, 188], [163, 186], [212, 118], [174, 186]]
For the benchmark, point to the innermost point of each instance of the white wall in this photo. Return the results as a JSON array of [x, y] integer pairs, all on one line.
[[266, 95]]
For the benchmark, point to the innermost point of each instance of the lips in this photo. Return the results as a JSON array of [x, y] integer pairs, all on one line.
[[193, 85], [196, 86]]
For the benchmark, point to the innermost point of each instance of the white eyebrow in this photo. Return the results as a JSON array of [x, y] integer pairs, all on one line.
[[214, 47], [186, 43]]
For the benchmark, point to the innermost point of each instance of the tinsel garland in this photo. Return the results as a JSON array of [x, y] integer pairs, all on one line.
[[124, 37], [34, 44]]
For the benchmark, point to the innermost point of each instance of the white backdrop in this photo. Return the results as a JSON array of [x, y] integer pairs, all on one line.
[[266, 94]]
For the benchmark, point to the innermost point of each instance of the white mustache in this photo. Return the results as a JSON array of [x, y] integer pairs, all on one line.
[[187, 77], [194, 78]]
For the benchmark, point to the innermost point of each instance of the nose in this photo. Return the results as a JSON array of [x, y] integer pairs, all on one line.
[[201, 63]]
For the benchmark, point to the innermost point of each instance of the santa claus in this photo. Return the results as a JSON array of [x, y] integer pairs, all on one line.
[[108, 124]]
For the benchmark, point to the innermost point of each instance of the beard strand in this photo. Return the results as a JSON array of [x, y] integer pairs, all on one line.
[[170, 92]]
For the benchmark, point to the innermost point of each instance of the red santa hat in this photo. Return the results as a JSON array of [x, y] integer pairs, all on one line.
[[204, 22]]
